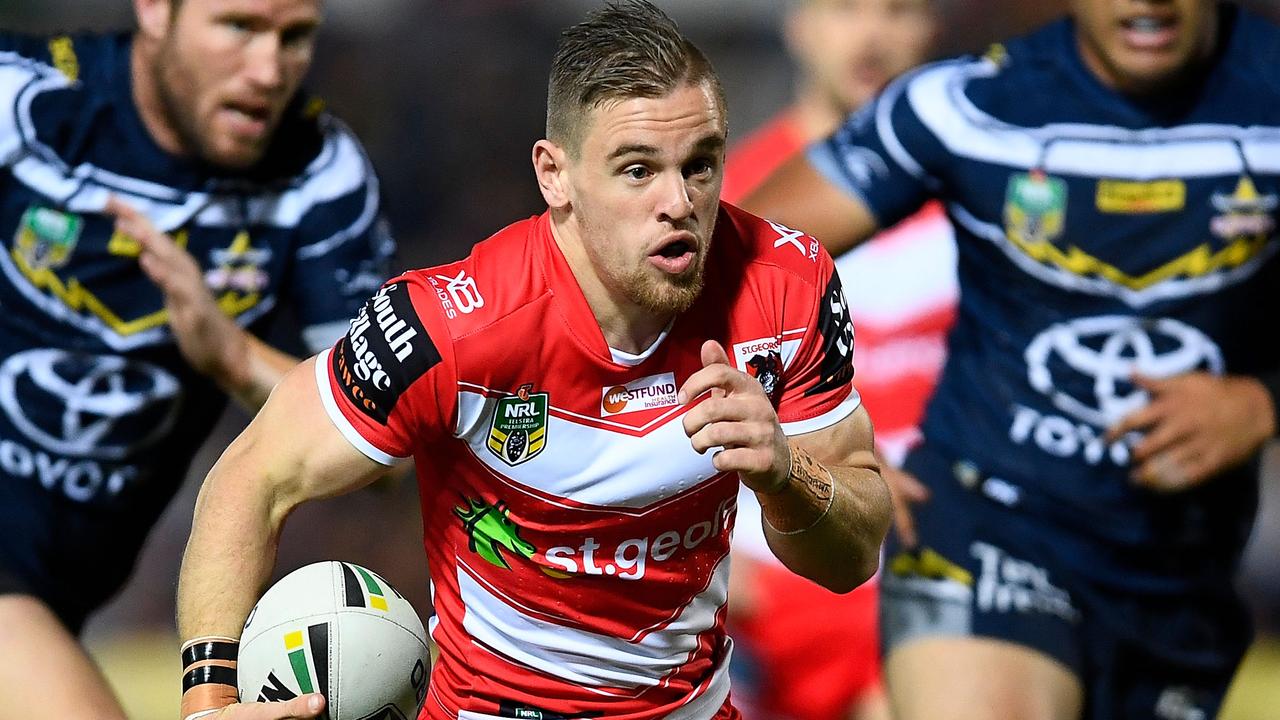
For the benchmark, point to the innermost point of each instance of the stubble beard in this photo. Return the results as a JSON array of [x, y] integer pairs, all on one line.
[[666, 295], [181, 113]]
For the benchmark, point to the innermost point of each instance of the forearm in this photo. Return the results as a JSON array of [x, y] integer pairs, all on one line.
[[232, 548], [828, 521], [250, 369]]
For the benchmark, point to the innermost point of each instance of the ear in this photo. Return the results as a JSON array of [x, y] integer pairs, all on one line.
[[550, 165], [154, 17]]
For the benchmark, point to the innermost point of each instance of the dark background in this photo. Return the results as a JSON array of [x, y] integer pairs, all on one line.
[[448, 97]]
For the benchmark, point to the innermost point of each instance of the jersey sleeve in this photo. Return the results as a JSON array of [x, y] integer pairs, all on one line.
[[390, 383], [884, 155], [818, 387], [345, 245]]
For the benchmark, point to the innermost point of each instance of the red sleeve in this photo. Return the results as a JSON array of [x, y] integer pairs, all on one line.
[[391, 379], [818, 389]]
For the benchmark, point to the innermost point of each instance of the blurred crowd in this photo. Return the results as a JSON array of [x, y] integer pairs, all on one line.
[[448, 97]]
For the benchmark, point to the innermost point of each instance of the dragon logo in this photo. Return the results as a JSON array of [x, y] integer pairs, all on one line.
[[490, 530]]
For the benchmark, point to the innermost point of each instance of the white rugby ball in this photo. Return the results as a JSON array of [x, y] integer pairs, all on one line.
[[341, 630]]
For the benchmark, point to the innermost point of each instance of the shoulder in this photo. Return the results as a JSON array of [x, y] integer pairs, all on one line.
[[767, 254], [500, 277], [1254, 48]]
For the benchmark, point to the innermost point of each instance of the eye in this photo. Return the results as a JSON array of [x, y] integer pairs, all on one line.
[[297, 37], [637, 172], [701, 167], [239, 25]]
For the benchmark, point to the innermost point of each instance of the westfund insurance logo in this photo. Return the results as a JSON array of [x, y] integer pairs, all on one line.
[[386, 349]]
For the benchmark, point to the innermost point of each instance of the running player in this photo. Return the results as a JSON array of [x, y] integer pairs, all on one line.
[[901, 291], [585, 393], [163, 193], [1091, 447]]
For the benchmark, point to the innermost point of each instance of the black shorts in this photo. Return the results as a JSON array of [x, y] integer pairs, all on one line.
[[1147, 651], [73, 558]]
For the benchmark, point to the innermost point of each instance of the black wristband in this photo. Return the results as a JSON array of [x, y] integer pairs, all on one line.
[[216, 674], [209, 650]]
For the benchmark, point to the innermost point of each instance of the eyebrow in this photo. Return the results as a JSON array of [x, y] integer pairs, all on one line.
[[709, 143]]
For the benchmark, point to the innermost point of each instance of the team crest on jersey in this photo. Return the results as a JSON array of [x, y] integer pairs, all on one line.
[[490, 531], [46, 237], [1245, 214], [762, 360], [238, 267], [518, 431], [1035, 207]]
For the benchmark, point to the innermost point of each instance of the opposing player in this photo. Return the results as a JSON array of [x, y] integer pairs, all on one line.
[[901, 291], [584, 394], [1091, 447], [164, 192]]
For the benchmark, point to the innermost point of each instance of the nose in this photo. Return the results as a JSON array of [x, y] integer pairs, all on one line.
[[263, 61], [676, 204]]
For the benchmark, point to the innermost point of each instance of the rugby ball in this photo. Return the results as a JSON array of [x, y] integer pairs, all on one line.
[[341, 630]]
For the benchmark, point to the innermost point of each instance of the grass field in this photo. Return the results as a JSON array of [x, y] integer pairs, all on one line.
[[144, 670]]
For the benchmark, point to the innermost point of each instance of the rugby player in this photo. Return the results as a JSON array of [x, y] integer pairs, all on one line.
[[1091, 448], [596, 383], [164, 192], [901, 291]]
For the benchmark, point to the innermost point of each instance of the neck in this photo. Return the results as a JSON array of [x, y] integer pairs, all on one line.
[[146, 96], [625, 325], [818, 113]]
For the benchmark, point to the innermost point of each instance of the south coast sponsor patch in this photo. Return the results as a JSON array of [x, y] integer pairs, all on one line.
[[647, 393]]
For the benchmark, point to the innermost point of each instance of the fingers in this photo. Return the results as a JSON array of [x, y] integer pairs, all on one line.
[[732, 435], [714, 410], [748, 461], [1174, 469], [905, 491], [718, 376], [713, 353], [306, 706]]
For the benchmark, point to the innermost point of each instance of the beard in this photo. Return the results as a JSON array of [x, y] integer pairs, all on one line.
[[179, 108], [644, 286], [665, 295]]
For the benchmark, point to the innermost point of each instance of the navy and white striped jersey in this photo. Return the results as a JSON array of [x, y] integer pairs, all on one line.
[[1099, 236], [99, 414]]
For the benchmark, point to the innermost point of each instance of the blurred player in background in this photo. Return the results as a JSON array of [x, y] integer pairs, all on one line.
[[164, 193], [1091, 449], [814, 655], [587, 391]]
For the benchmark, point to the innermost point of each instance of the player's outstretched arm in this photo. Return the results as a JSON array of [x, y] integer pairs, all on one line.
[[798, 196], [826, 508], [289, 454], [242, 365]]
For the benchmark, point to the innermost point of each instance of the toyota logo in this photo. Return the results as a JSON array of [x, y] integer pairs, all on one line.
[[1097, 358], [82, 405]]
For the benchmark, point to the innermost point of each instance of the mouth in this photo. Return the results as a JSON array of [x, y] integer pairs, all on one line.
[[1150, 32], [676, 254], [250, 120]]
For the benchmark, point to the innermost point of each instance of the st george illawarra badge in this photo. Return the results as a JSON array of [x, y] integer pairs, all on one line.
[[518, 431]]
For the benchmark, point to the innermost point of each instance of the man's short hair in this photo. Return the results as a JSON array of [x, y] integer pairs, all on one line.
[[626, 49]]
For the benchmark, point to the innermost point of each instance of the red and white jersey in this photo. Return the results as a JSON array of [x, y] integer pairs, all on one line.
[[577, 543]]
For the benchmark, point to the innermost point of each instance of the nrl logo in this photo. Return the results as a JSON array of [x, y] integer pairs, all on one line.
[[1035, 207], [518, 431], [46, 237]]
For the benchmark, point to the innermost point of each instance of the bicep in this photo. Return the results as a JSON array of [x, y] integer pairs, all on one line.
[[846, 443], [298, 447], [797, 195]]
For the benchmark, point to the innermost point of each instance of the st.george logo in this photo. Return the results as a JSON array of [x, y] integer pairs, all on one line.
[[518, 431]]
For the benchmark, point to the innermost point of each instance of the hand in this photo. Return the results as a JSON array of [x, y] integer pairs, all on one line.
[[208, 339], [306, 706], [906, 490], [738, 417], [1196, 425]]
